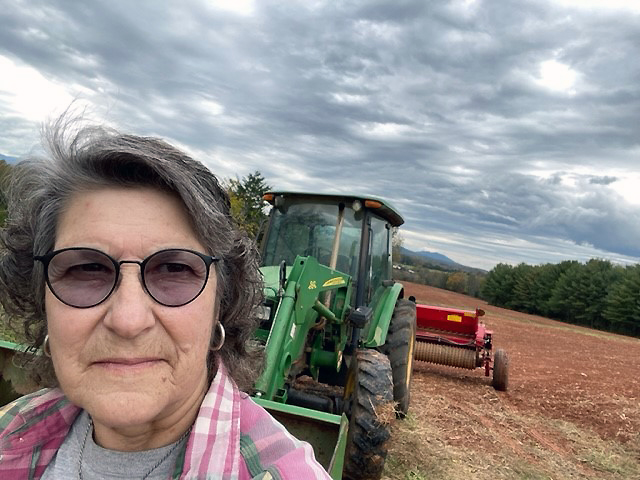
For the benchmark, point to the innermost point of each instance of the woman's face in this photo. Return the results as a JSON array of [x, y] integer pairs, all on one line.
[[132, 363]]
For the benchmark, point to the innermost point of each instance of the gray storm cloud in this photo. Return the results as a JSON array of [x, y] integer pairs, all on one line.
[[443, 107]]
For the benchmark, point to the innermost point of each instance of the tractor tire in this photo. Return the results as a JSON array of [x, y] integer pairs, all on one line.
[[369, 393], [400, 348], [500, 370]]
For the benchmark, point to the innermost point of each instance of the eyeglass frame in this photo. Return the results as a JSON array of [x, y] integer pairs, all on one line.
[[46, 259]]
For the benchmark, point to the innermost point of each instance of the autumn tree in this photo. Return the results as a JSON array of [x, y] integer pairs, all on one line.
[[457, 282], [396, 242], [247, 203], [475, 283]]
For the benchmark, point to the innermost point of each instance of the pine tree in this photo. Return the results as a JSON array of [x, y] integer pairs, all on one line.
[[524, 282], [622, 311], [546, 277], [498, 287], [581, 291]]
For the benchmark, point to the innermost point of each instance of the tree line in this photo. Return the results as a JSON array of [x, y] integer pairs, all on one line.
[[595, 294]]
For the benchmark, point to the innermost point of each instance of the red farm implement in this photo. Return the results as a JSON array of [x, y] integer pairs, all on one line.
[[457, 338]]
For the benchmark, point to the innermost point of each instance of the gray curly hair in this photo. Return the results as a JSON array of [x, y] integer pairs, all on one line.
[[82, 158]]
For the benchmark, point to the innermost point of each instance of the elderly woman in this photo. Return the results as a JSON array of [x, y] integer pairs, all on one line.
[[122, 266]]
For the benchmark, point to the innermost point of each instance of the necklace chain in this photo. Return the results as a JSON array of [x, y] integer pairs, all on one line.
[[146, 475]]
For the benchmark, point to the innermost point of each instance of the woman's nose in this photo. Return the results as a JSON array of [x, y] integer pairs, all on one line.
[[130, 309]]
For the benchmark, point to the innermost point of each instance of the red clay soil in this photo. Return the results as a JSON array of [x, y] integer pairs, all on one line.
[[557, 372]]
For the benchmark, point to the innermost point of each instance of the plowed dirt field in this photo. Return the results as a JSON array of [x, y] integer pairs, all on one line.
[[572, 410]]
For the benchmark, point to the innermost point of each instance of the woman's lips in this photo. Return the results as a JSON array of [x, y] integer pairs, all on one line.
[[127, 364]]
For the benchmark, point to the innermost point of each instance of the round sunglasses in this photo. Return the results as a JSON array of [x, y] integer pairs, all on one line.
[[84, 277]]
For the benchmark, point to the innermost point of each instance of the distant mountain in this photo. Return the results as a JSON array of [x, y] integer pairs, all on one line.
[[8, 159], [439, 259], [436, 256]]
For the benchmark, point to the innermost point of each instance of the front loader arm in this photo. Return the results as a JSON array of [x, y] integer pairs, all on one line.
[[297, 313]]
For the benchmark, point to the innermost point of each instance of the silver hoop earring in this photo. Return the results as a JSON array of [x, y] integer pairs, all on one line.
[[45, 346], [220, 343]]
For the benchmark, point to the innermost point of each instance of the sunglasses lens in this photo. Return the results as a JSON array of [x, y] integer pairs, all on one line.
[[175, 277], [81, 277]]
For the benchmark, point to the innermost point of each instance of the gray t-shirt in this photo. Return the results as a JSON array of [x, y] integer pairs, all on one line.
[[99, 463]]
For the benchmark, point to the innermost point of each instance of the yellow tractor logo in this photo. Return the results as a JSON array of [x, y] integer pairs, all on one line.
[[332, 282]]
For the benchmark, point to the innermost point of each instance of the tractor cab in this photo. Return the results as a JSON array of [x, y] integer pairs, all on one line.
[[350, 234]]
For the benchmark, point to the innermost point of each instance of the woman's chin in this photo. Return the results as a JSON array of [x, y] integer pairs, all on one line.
[[128, 409]]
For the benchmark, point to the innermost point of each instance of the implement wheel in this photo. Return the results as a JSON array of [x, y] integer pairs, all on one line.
[[370, 407], [400, 346], [500, 370]]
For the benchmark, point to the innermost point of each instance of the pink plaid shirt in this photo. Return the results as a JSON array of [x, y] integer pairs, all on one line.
[[232, 438]]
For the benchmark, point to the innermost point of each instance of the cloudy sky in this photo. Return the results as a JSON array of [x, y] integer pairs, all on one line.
[[504, 131]]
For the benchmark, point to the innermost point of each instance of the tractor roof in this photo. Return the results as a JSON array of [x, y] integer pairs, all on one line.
[[379, 205]]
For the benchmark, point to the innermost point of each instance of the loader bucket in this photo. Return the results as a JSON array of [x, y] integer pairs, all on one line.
[[327, 433]]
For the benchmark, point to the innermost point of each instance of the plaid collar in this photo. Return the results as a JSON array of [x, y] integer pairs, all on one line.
[[214, 443]]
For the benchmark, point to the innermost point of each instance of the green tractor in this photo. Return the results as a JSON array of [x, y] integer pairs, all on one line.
[[338, 334]]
